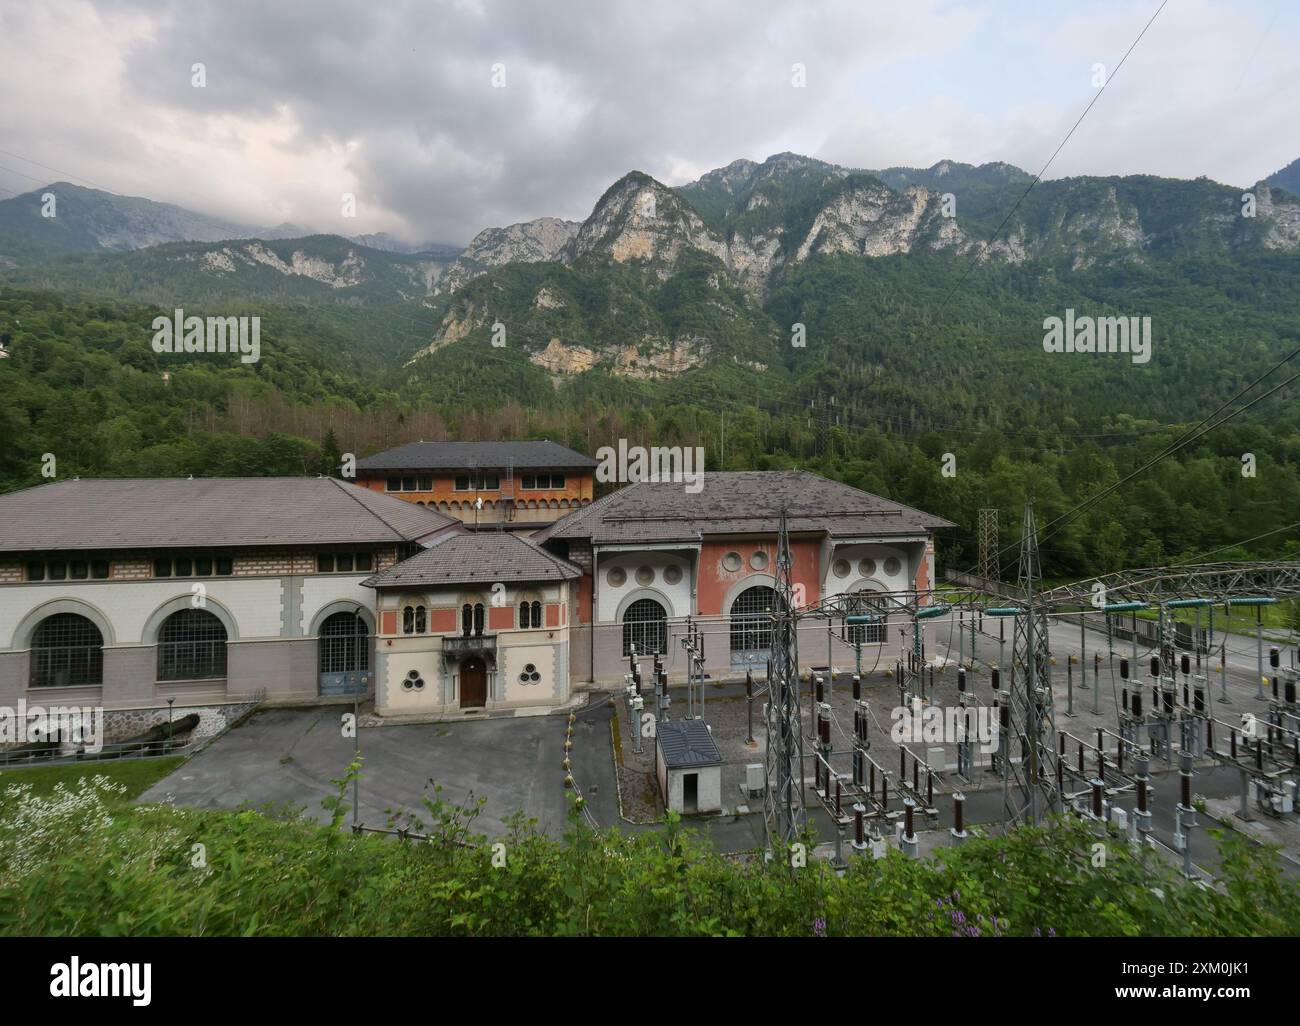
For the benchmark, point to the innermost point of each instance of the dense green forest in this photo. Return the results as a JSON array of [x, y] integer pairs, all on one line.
[[875, 408]]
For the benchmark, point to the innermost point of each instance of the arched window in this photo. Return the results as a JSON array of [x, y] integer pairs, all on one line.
[[408, 620], [421, 620], [645, 624], [67, 649], [478, 617], [530, 615], [865, 602], [466, 619], [191, 646], [751, 619], [344, 644]]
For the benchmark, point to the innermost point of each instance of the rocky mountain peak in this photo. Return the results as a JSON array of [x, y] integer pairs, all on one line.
[[639, 218]]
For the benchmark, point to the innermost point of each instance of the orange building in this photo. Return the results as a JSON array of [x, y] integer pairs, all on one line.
[[656, 554], [518, 485]]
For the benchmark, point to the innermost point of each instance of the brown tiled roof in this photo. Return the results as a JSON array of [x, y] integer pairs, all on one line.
[[476, 558], [225, 512], [739, 502], [543, 455]]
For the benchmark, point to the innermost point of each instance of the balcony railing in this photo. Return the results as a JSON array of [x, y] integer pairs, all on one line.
[[477, 644]]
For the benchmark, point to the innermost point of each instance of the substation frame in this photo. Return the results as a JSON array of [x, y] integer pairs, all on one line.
[[1033, 756]]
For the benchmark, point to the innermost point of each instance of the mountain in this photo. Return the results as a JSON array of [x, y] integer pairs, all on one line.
[[93, 221], [528, 242], [762, 219], [658, 281], [1288, 178], [321, 268], [392, 244]]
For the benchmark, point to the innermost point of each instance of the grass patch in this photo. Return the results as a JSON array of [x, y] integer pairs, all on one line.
[[136, 775]]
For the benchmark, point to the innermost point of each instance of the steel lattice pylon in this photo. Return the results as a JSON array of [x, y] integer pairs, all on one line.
[[990, 569], [783, 811], [1033, 780]]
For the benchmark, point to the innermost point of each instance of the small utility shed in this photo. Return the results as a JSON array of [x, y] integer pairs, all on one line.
[[689, 767]]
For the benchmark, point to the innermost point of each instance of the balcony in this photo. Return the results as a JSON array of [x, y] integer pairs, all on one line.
[[473, 644]]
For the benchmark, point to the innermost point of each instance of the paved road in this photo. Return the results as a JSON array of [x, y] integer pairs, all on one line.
[[290, 756]]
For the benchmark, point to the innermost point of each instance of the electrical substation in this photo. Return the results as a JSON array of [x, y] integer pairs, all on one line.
[[986, 705]]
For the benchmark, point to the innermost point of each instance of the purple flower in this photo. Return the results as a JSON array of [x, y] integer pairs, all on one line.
[[819, 926]]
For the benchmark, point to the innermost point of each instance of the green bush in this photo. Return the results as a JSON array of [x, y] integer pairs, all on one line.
[[88, 864]]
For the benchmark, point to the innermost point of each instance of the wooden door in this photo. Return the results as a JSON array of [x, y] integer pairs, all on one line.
[[473, 683]]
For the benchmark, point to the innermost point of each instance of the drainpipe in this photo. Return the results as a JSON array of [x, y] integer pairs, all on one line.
[[595, 596]]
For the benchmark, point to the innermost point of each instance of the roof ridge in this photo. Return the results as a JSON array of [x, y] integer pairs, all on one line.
[[401, 535], [561, 564]]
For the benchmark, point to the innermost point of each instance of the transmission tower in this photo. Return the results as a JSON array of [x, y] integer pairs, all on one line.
[[990, 569], [783, 812], [1034, 789]]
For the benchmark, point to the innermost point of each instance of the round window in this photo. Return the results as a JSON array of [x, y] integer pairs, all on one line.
[[418, 683], [867, 568], [892, 566], [758, 561], [841, 568], [672, 574], [412, 674], [731, 562], [616, 577], [644, 576]]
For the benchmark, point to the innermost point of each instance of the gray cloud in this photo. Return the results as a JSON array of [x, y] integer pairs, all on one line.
[[394, 101]]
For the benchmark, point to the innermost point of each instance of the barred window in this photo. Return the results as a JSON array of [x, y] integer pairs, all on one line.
[[864, 603], [751, 618], [191, 646], [344, 644], [408, 620], [421, 620], [67, 649], [645, 624]]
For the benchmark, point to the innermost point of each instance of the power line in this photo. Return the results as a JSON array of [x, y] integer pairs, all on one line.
[[1038, 177]]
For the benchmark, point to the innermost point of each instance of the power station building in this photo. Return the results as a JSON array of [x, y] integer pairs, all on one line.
[[126, 594]]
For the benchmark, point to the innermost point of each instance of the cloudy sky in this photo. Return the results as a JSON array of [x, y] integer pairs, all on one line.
[[446, 116]]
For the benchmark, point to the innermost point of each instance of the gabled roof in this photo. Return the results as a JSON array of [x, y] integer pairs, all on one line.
[[214, 512], [543, 455], [739, 502], [476, 558], [687, 743]]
